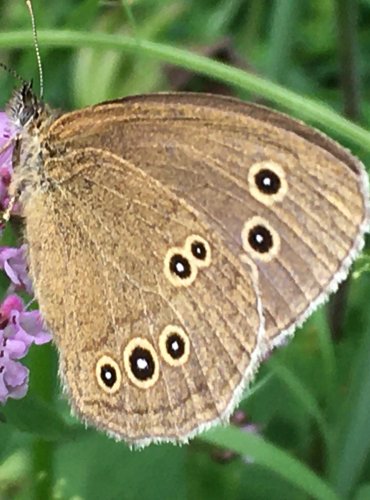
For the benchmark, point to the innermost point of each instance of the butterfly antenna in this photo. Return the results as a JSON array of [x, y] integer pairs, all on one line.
[[12, 72], [37, 47]]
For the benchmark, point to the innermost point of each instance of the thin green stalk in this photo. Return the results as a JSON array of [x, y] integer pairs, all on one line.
[[329, 364], [347, 22], [254, 21], [353, 437], [42, 371], [303, 107], [303, 395], [130, 16], [282, 37]]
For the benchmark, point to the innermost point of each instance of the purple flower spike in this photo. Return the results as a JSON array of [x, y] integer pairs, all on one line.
[[11, 303], [13, 375], [19, 329], [13, 261], [28, 328]]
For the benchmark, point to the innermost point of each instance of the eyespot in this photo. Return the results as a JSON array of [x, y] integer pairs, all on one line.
[[260, 239], [199, 249], [174, 345], [178, 268], [267, 182], [108, 374], [141, 363]]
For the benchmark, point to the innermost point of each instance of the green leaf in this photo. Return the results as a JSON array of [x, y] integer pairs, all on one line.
[[275, 459], [32, 415], [363, 493], [353, 442]]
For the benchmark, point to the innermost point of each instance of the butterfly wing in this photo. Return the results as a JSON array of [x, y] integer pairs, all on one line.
[[274, 190], [157, 323]]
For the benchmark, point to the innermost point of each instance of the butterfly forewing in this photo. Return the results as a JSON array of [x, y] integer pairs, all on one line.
[[215, 154]]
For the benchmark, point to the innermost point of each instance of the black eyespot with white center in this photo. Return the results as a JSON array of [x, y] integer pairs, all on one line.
[[180, 266], [267, 181], [142, 363], [175, 346], [108, 374], [198, 250], [260, 239]]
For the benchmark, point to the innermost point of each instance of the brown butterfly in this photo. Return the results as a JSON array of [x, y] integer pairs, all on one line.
[[173, 240]]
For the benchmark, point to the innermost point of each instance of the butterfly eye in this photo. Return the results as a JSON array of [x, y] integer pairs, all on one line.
[[267, 182], [141, 363], [260, 239], [108, 374], [199, 249], [178, 268], [174, 345]]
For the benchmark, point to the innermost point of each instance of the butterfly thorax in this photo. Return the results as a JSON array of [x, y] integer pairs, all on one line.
[[31, 118]]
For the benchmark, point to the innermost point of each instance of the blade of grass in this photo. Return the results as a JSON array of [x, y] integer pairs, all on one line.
[[130, 16], [329, 364], [42, 367], [282, 37], [353, 437], [303, 395], [250, 37], [303, 107], [271, 457]]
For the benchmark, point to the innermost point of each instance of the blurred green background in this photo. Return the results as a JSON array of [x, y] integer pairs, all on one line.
[[310, 404]]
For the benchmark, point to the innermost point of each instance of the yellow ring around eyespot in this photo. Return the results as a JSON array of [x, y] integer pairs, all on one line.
[[172, 278], [107, 360], [267, 199], [198, 262], [250, 224], [167, 331], [144, 344]]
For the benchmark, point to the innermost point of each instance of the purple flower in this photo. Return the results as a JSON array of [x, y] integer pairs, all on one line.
[[28, 328], [11, 303], [13, 262], [13, 376], [20, 329]]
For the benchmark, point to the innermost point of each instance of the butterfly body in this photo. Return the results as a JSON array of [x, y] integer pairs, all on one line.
[[173, 240]]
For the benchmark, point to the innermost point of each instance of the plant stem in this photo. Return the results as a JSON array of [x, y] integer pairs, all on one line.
[[350, 81], [282, 36], [42, 361]]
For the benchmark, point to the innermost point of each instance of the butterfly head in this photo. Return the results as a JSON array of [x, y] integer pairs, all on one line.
[[24, 107]]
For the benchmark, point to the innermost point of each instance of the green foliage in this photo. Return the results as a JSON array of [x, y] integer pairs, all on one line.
[[311, 400]]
